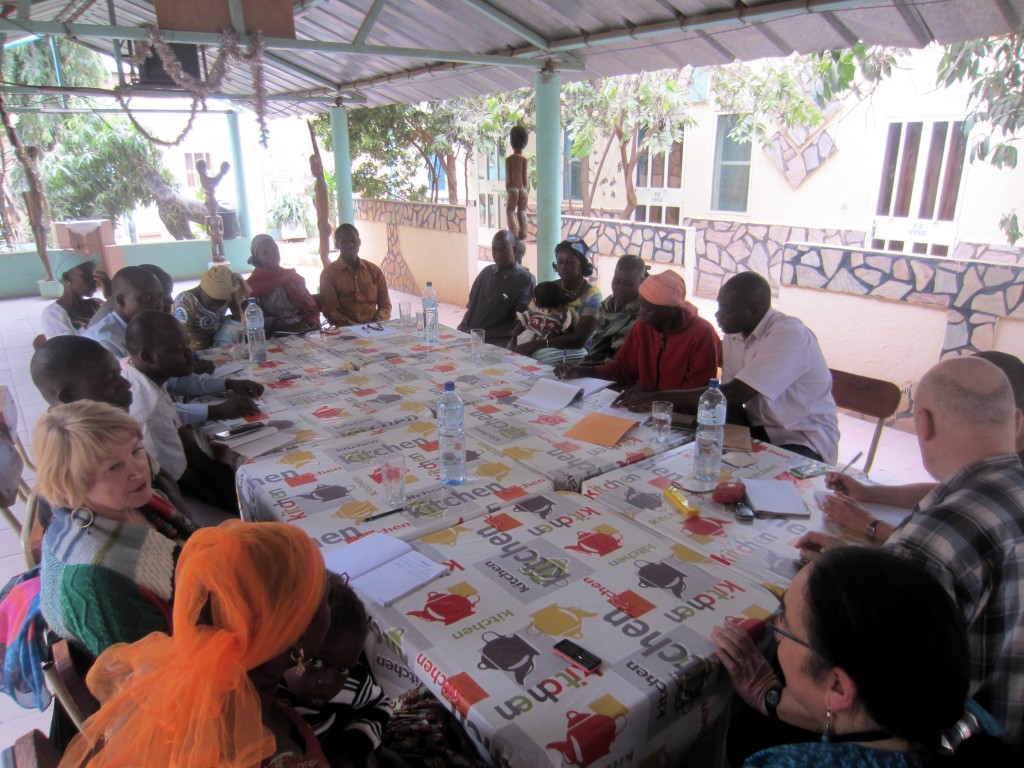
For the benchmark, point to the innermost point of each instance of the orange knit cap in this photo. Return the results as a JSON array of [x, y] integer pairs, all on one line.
[[186, 700], [665, 289]]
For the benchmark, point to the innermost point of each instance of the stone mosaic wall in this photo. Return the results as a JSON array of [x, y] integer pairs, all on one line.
[[395, 213], [657, 244], [724, 248], [975, 294]]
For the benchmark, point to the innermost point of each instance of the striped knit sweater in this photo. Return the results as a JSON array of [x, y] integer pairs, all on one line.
[[99, 582]]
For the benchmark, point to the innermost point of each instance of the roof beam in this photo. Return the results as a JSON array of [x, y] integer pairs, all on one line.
[[164, 93], [368, 21], [273, 43], [500, 17]]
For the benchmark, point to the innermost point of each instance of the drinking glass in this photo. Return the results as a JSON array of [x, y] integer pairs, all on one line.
[[476, 343], [236, 336], [392, 474], [661, 420], [405, 313], [418, 320]]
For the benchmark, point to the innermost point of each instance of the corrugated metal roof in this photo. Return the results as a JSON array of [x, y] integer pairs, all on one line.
[[594, 38]]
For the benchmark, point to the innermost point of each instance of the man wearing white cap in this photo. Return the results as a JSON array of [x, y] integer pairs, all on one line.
[[669, 347], [70, 314]]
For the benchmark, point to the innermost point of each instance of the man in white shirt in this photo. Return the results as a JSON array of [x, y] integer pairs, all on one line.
[[159, 347]]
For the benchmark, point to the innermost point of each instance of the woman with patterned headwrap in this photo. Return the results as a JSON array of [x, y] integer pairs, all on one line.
[[206, 695], [203, 309], [281, 293]]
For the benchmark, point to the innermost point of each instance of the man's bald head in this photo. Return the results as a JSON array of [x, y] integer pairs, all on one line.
[[963, 412], [742, 301], [150, 328]]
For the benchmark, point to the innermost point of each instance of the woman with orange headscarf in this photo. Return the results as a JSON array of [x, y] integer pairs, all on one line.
[[206, 696]]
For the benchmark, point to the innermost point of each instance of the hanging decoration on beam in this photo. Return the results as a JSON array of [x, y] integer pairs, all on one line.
[[229, 50]]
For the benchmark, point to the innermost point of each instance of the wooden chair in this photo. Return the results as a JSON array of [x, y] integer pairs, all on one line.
[[33, 750], [32, 532], [68, 684], [870, 397]]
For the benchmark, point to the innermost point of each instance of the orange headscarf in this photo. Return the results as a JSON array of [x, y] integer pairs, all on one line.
[[186, 700]]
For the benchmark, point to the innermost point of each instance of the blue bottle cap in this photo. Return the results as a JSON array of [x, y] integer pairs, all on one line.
[[449, 386]]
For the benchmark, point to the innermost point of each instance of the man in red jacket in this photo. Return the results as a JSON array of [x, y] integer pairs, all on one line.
[[670, 346]]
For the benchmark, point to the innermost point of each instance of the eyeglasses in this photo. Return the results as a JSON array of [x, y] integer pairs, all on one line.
[[774, 627]]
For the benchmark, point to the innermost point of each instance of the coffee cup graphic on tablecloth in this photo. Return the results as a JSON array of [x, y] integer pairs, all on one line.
[[559, 621]]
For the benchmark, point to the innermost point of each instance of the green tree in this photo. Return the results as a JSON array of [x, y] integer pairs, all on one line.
[[93, 172], [632, 114], [994, 69]]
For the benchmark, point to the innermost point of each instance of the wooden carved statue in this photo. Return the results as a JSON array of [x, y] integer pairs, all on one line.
[[36, 205], [517, 183], [321, 199], [214, 223]]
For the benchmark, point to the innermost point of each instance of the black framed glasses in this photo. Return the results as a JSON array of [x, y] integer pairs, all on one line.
[[774, 627]]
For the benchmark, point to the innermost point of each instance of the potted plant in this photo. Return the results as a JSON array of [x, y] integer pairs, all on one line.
[[289, 214]]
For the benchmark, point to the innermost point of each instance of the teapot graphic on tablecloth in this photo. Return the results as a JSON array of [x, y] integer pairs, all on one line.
[[446, 607], [641, 499], [596, 542], [509, 653], [325, 492], [662, 576], [588, 737], [538, 505]]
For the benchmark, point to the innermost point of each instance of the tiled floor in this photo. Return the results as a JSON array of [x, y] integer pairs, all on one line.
[[897, 461]]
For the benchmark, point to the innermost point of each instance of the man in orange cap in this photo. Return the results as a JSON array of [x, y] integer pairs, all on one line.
[[669, 347]]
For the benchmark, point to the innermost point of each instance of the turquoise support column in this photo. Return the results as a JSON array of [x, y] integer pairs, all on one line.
[[342, 165], [549, 170], [244, 217]]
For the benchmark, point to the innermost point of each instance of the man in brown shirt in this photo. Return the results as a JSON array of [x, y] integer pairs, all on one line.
[[353, 290]]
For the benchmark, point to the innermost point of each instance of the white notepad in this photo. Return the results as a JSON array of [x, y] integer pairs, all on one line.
[[383, 568], [775, 498], [555, 394]]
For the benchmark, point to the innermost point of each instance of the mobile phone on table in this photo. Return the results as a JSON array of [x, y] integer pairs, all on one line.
[[576, 655], [809, 470], [238, 429]]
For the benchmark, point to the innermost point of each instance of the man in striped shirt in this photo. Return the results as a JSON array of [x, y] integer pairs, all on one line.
[[353, 290]]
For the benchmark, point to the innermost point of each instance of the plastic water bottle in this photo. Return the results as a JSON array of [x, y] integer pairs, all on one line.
[[451, 436], [707, 461], [254, 333], [430, 334]]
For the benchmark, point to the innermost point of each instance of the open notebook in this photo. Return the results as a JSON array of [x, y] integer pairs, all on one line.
[[383, 568]]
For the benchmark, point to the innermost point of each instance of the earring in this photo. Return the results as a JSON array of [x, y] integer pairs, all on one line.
[[829, 733], [299, 657]]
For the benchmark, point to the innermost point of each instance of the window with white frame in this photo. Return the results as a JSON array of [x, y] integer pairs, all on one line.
[[191, 174], [732, 169], [658, 182]]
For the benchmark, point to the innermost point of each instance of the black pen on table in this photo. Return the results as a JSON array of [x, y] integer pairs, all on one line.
[[383, 514]]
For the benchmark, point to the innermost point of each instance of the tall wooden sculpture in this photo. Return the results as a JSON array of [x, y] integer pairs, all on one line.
[[214, 222], [321, 199]]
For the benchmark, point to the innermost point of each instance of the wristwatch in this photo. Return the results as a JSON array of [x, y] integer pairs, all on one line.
[[772, 697], [872, 528]]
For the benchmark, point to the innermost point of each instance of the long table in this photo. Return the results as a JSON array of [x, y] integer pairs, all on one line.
[[612, 566]]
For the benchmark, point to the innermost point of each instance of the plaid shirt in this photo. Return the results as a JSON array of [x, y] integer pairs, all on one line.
[[351, 296], [969, 533]]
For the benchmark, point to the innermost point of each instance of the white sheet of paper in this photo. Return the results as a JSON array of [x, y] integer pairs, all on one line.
[[775, 497], [369, 333], [884, 512], [551, 394], [589, 384], [225, 370]]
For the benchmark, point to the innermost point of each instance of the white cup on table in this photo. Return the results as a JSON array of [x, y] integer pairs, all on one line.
[[661, 420], [392, 478], [476, 343], [405, 313]]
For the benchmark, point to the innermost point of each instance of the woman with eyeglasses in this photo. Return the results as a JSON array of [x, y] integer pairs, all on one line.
[[875, 659], [577, 295]]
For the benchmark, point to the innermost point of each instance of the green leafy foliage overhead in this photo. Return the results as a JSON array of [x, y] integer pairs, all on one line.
[[93, 172]]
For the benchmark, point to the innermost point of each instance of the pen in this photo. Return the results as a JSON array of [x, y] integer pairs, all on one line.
[[383, 514], [850, 462]]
